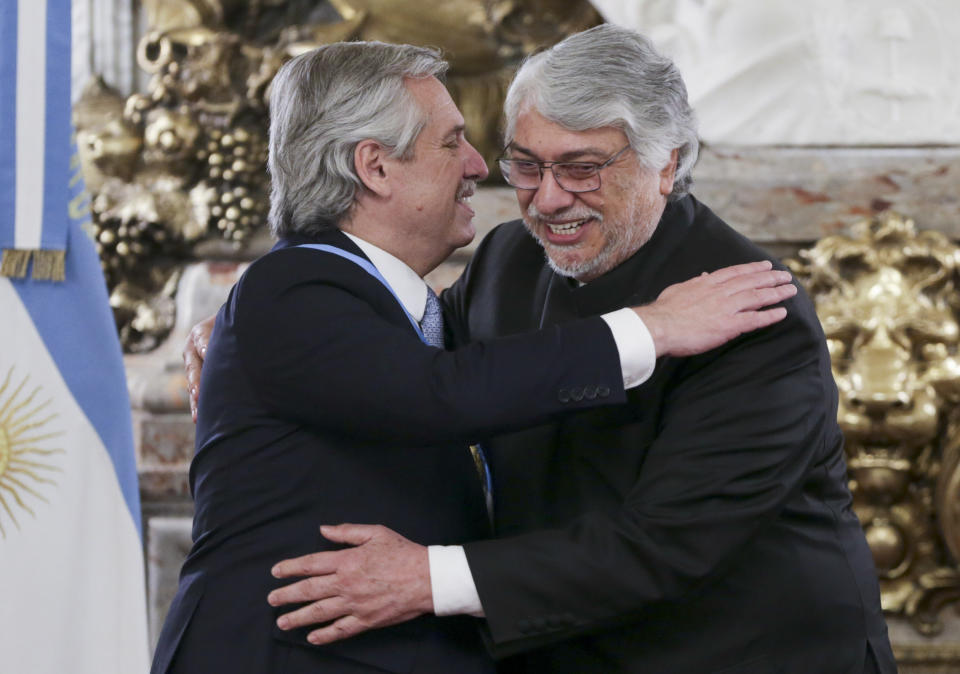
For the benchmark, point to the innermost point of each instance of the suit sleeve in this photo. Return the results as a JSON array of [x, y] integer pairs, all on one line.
[[738, 432], [319, 355]]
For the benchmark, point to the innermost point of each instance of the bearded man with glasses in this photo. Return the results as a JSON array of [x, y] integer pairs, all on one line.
[[704, 525]]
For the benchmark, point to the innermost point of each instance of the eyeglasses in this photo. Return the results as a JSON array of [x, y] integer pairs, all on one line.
[[572, 176]]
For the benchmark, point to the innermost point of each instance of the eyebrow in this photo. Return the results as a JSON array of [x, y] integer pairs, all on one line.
[[571, 155], [456, 131]]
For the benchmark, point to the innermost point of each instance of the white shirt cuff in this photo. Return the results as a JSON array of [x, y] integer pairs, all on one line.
[[638, 355], [454, 592]]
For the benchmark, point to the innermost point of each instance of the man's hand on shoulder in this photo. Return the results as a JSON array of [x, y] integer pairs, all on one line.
[[194, 351], [382, 581], [711, 309]]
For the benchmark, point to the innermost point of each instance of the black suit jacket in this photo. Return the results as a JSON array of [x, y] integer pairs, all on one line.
[[702, 526], [319, 404]]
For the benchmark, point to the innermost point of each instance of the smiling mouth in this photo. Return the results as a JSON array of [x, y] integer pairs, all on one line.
[[567, 228], [464, 194], [466, 190]]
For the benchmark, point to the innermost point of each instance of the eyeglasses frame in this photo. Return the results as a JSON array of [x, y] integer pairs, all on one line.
[[544, 165]]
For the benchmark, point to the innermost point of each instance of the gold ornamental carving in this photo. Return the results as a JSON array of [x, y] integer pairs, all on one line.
[[888, 301], [179, 171]]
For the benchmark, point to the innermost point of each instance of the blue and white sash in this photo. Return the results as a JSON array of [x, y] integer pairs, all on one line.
[[368, 267]]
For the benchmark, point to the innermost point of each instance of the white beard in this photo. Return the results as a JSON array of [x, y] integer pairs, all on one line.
[[622, 241]]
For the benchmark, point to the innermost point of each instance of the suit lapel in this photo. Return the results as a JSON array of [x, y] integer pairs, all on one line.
[[373, 290]]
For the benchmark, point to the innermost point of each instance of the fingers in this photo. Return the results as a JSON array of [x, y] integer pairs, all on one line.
[[309, 589], [345, 627], [765, 279], [756, 298], [192, 362], [727, 273], [768, 317], [194, 351], [192, 365], [748, 321], [352, 534], [322, 611], [315, 564]]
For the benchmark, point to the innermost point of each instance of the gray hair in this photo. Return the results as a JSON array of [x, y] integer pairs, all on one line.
[[322, 104], [611, 76]]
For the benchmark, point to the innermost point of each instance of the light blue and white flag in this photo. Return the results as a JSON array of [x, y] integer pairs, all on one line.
[[71, 563]]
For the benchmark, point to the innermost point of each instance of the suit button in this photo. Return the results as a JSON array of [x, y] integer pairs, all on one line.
[[576, 394], [603, 391], [524, 626], [589, 392], [564, 395], [539, 624]]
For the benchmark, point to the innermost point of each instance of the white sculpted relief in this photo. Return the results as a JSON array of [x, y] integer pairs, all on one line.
[[818, 72]]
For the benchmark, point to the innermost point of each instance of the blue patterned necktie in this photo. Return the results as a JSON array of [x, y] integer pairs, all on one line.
[[432, 321]]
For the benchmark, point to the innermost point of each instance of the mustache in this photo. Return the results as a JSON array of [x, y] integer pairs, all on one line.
[[576, 212], [466, 189]]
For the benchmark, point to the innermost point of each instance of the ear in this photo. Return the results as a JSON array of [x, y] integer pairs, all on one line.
[[668, 172], [369, 160]]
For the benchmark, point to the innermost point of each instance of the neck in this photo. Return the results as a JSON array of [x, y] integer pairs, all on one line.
[[390, 241]]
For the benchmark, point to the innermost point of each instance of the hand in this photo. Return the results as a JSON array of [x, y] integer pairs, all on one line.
[[382, 581], [701, 314], [194, 351]]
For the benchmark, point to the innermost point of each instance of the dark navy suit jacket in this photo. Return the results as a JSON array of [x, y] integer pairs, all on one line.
[[319, 404], [704, 525]]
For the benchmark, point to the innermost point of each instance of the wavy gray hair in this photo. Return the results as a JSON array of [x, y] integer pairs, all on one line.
[[611, 76], [322, 104]]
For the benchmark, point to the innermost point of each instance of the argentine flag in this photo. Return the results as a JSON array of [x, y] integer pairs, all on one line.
[[71, 563]]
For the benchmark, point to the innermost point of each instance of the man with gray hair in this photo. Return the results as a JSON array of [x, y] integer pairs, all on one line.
[[327, 395], [705, 524]]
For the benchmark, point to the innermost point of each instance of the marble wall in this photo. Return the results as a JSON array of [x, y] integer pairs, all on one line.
[[818, 72]]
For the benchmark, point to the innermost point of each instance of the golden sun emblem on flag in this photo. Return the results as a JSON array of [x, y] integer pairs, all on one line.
[[25, 459]]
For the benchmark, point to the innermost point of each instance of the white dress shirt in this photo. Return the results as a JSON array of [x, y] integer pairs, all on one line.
[[454, 591]]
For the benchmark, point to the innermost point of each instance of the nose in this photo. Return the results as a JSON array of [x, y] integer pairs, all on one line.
[[550, 197], [474, 168]]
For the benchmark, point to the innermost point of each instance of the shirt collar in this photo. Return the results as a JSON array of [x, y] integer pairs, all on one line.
[[409, 287]]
